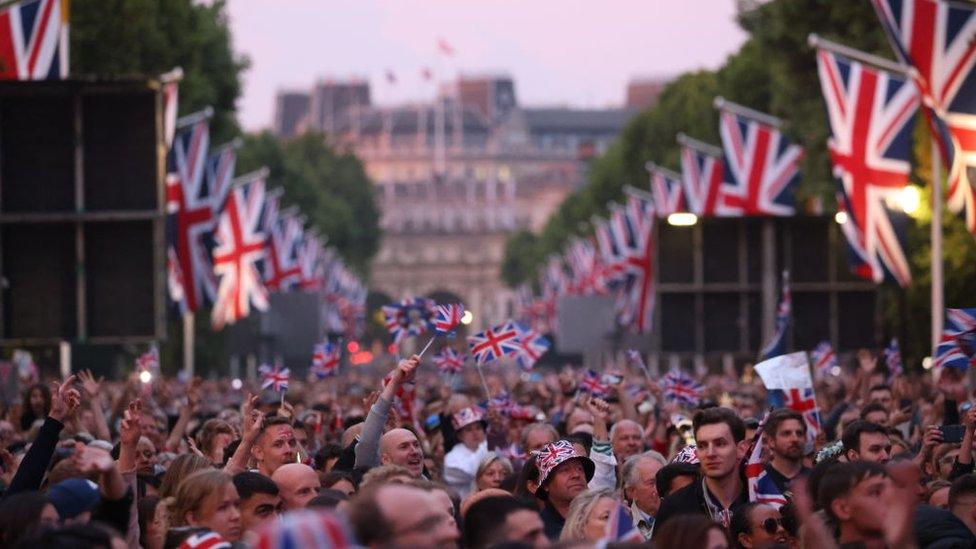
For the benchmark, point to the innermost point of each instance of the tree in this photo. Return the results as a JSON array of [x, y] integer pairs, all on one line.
[[150, 37]]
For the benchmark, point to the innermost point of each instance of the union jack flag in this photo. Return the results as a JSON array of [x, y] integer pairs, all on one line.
[[762, 488], [193, 212], [682, 388], [174, 280], [589, 275], [206, 540], [777, 344], [149, 361], [621, 526], [494, 343], [502, 402], [34, 40], [798, 399], [274, 377], [240, 246], [447, 318], [939, 39], [408, 317], [591, 383], [219, 174], [611, 256], [406, 395], [955, 349], [531, 346], [552, 454], [281, 268], [636, 234], [326, 359], [310, 256], [703, 173], [764, 167], [666, 188], [449, 361], [869, 112], [892, 356], [824, 358]]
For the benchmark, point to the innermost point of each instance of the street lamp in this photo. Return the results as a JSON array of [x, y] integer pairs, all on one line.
[[467, 318], [682, 219], [840, 217], [910, 199]]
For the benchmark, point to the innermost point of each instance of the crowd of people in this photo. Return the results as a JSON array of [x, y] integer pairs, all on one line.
[[398, 455]]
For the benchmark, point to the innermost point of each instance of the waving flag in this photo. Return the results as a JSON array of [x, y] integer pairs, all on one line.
[[449, 361], [219, 174], [281, 268], [956, 347], [149, 361], [193, 212], [34, 40], [620, 527], [240, 246], [447, 318], [762, 488], [824, 358], [667, 190], [326, 359], [682, 388], [635, 304], [531, 346], [869, 111], [494, 343], [892, 356], [276, 378], [591, 383], [703, 172], [789, 385], [777, 344], [409, 317], [764, 166], [939, 39], [611, 256]]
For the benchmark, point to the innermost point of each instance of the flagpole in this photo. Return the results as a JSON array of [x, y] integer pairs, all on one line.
[[484, 382], [429, 343], [938, 305]]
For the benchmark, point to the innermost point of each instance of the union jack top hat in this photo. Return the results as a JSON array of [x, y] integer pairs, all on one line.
[[554, 454], [468, 416]]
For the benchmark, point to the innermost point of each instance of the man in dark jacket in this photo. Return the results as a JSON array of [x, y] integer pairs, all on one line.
[[563, 475], [720, 435]]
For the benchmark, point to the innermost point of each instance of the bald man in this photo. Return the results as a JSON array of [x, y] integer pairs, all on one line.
[[401, 447], [297, 484], [373, 443]]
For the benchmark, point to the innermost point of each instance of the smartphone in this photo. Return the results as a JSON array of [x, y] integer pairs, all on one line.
[[952, 433], [612, 379], [432, 422]]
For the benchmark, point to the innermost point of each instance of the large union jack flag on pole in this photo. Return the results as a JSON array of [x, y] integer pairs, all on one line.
[[667, 191], [764, 167], [636, 299], [325, 360], [192, 209], [777, 343], [284, 232], [703, 174], [939, 39], [494, 343], [956, 347], [34, 40], [240, 246], [869, 111]]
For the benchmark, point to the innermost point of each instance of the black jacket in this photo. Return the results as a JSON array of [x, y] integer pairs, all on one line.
[[690, 500], [939, 529], [552, 521]]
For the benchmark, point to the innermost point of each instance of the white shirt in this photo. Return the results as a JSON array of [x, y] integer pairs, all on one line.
[[461, 465]]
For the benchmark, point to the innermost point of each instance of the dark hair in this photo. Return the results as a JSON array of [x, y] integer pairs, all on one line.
[[841, 478], [686, 531], [529, 472], [183, 466], [327, 499], [740, 523], [146, 508], [852, 433], [20, 515], [271, 422], [485, 518], [27, 417], [713, 416], [777, 417], [666, 475], [75, 536], [962, 487], [873, 407], [879, 387], [332, 478], [249, 483], [325, 453], [583, 439]]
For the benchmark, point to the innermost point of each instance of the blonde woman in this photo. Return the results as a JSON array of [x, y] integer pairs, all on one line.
[[588, 515], [492, 470], [209, 499]]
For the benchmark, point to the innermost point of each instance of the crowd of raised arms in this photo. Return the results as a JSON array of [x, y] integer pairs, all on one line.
[[397, 455]]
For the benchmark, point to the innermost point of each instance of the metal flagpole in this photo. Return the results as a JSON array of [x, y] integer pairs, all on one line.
[[938, 305], [188, 342]]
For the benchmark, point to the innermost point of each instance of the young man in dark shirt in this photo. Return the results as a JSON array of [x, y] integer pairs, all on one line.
[[786, 433]]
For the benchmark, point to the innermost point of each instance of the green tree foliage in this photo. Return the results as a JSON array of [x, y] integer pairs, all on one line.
[[331, 189], [150, 37]]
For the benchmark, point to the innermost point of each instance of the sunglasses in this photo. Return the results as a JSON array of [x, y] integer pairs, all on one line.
[[770, 525]]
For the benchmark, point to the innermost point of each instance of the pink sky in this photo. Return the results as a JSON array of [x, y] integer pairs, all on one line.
[[560, 52]]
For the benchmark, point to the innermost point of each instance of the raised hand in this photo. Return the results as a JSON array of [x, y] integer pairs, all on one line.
[[90, 459], [65, 400], [597, 407], [89, 384], [131, 427], [252, 418]]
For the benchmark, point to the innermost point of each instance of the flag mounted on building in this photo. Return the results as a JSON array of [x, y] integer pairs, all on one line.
[[635, 301], [703, 173], [939, 39], [764, 167], [667, 191], [281, 271], [869, 112], [784, 315], [34, 40]]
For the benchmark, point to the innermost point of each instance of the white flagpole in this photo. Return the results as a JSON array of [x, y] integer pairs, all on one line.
[[938, 304], [188, 341]]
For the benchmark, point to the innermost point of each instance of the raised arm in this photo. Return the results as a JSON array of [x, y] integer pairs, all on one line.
[[367, 451], [251, 422], [92, 389]]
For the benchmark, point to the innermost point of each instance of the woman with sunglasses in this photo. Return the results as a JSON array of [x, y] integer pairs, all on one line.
[[757, 525]]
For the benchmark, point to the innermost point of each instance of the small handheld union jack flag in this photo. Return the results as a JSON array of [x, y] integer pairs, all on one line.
[[532, 345], [447, 318], [325, 360], [149, 361], [682, 388], [449, 361], [494, 343], [824, 358], [591, 383], [762, 489], [276, 378], [892, 356]]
